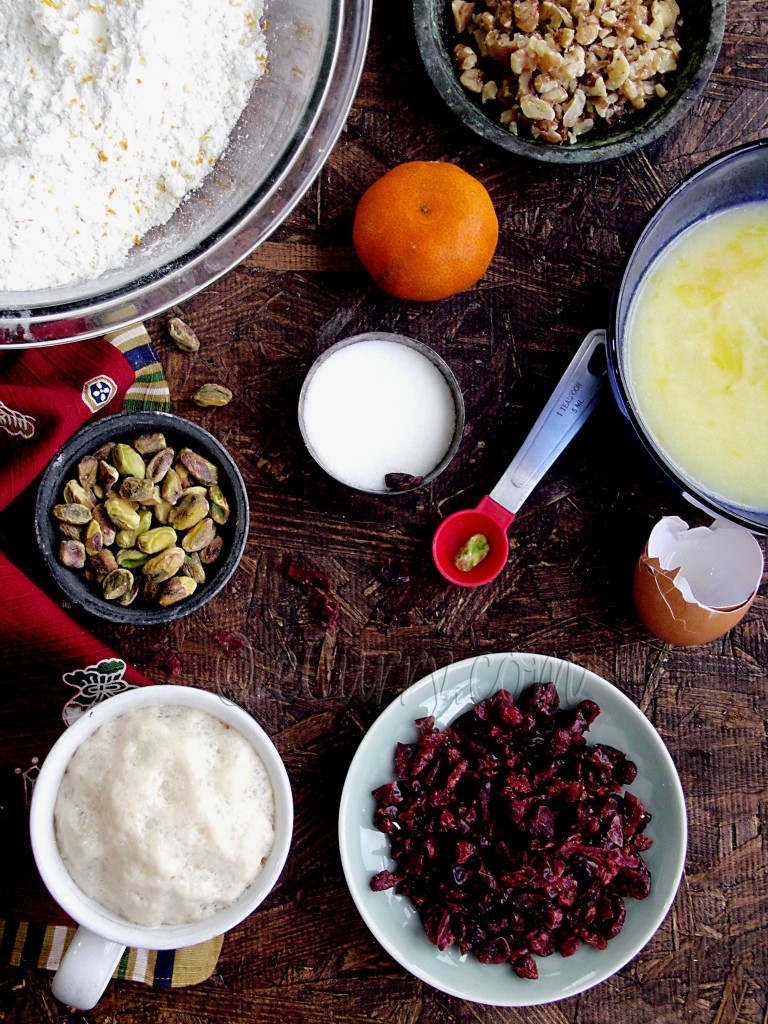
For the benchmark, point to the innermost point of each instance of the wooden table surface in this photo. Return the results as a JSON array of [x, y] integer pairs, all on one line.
[[306, 954]]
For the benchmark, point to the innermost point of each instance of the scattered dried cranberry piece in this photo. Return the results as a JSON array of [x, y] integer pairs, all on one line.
[[322, 607], [324, 610], [169, 661], [402, 481], [310, 578], [230, 642], [384, 880], [394, 571], [511, 835]]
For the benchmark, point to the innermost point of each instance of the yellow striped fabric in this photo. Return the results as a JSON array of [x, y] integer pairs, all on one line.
[[26, 944], [150, 389]]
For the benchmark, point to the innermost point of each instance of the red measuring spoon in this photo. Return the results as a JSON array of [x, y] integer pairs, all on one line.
[[561, 418]]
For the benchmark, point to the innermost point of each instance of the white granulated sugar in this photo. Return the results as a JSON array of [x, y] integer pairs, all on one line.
[[110, 113], [378, 407]]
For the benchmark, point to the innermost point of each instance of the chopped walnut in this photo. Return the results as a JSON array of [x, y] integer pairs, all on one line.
[[472, 80], [490, 91], [536, 109], [462, 12], [526, 14], [551, 69], [465, 57], [573, 110], [618, 71]]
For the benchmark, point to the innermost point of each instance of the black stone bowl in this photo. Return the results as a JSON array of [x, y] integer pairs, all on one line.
[[124, 427], [701, 35]]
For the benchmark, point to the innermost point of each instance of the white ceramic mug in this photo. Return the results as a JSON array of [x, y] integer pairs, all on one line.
[[102, 936]]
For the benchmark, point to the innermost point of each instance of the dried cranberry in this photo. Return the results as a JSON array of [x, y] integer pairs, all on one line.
[[625, 772], [526, 968], [384, 880], [635, 882], [495, 951], [464, 851], [230, 642], [589, 710], [384, 821], [402, 481], [310, 578], [542, 824], [388, 794], [568, 945], [169, 661], [324, 610], [541, 943], [616, 830]]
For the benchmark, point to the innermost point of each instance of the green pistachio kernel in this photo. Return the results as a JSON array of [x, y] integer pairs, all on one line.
[[472, 553]]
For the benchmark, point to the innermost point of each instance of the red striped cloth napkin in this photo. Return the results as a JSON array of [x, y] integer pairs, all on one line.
[[51, 667]]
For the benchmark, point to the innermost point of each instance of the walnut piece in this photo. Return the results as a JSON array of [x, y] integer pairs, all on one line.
[[552, 69]]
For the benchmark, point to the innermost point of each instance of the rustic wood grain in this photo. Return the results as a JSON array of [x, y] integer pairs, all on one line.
[[306, 956]]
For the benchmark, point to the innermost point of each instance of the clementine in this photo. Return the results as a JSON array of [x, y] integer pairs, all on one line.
[[425, 230]]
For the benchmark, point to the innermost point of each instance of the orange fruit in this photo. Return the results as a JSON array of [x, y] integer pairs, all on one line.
[[425, 230]]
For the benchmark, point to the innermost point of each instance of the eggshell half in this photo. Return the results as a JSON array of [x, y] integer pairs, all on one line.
[[693, 585]]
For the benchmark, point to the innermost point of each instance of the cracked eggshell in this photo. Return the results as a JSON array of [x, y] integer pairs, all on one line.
[[693, 585]]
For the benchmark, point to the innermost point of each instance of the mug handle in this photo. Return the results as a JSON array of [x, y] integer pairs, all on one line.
[[85, 969]]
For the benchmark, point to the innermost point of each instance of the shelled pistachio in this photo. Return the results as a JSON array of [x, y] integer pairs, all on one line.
[[128, 462], [215, 395], [117, 584], [148, 444], [141, 520], [176, 589], [72, 553], [193, 567], [182, 335], [74, 514], [94, 538]]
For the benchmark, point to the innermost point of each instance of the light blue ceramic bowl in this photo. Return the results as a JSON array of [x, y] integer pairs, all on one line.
[[364, 850]]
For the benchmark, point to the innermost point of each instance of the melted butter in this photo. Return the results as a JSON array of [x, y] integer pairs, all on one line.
[[697, 355]]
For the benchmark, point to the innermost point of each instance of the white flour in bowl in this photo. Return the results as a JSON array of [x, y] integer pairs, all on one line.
[[110, 113]]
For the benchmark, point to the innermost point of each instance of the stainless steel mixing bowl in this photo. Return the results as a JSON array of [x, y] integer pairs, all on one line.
[[293, 118]]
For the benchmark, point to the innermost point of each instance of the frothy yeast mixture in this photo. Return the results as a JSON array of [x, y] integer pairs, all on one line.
[[165, 815], [109, 114]]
